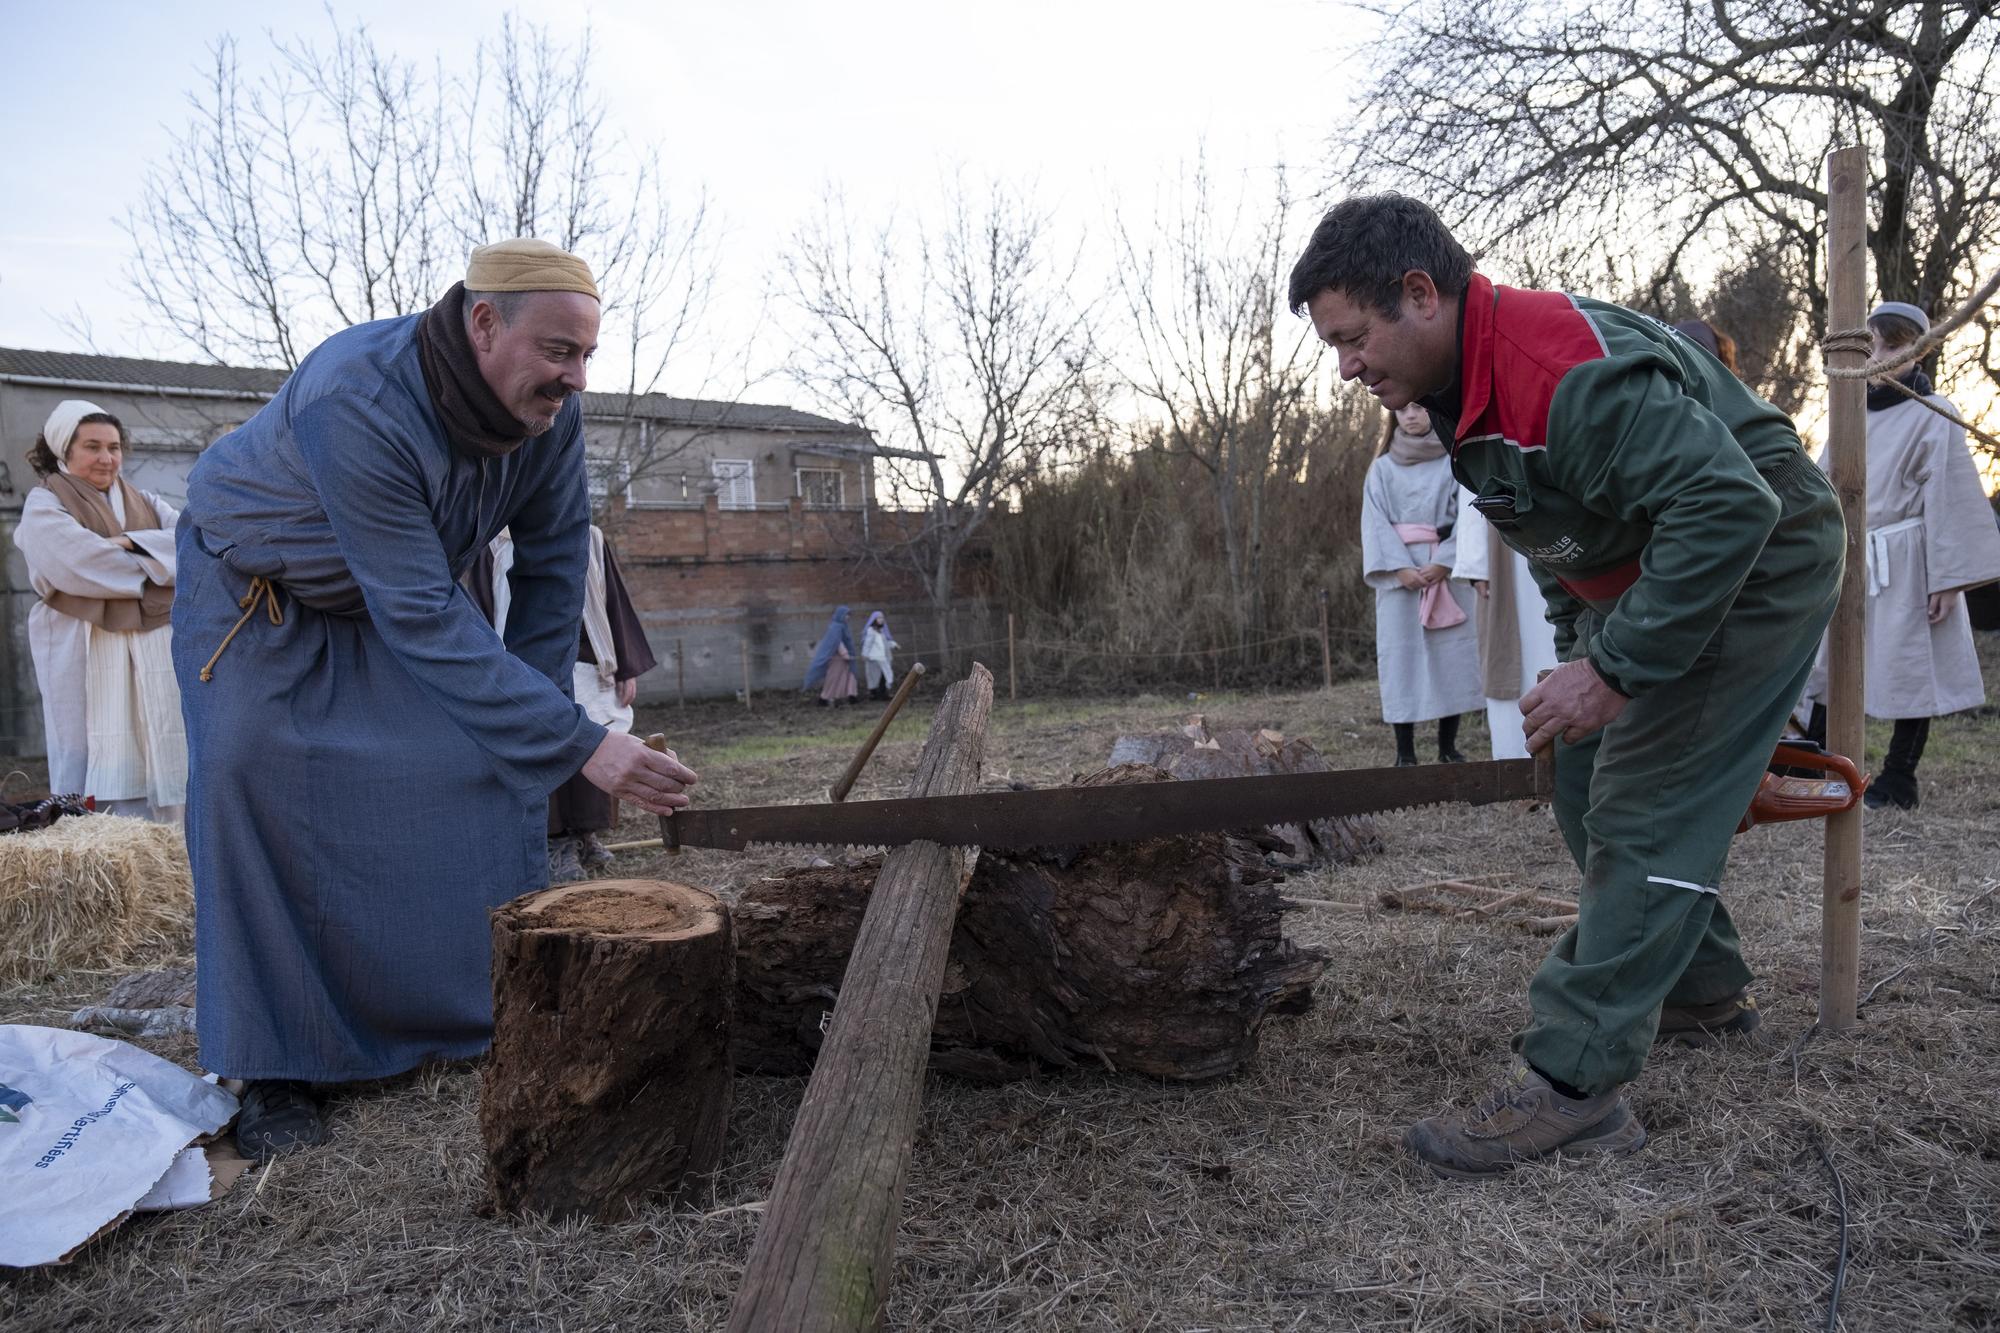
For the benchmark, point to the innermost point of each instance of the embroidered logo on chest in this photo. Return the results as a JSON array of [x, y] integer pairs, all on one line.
[[1564, 552]]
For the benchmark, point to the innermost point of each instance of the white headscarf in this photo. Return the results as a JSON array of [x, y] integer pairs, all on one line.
[[61, 426]]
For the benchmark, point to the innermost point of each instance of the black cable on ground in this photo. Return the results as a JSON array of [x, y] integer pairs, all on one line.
[[1840, 1264]]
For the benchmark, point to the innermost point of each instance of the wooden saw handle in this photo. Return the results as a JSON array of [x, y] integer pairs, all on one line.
[[670, 829]]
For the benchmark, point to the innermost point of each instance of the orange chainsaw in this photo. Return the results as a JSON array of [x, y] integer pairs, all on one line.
[[1804, 781]]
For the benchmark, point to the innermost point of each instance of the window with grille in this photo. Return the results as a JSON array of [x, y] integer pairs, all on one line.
[[820, 487]]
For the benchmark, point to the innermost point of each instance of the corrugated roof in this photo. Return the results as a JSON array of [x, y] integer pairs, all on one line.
[[90, 368]]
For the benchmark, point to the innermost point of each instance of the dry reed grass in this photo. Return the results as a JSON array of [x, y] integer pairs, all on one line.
[[1276, 1200], [92, 892]]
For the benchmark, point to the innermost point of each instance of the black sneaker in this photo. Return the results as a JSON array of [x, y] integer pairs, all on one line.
[[1891, 788], [1451, 756], [1406, 761], [278, 1116]]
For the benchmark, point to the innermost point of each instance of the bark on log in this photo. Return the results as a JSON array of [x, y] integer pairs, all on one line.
[[609, 1081], [824, 1253], [1160, 959]]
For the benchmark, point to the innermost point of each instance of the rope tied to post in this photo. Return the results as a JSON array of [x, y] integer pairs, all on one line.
[[1861, 341]]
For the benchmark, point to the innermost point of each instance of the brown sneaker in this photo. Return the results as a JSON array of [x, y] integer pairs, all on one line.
[[1523, 1119], [1709, 1024]]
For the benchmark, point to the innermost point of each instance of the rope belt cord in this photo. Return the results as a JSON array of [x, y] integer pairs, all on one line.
[[261, 590]]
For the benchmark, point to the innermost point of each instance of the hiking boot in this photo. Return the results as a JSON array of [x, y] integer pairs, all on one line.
[[565, 866], [1406, 761], [1450, 756], [1709, 1024], [593, 853], [1523, 1119], [278, 1116], [1891, 788]]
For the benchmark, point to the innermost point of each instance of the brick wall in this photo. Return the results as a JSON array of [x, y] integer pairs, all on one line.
[[714, 587]]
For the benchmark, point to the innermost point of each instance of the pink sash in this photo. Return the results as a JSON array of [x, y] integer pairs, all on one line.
[[1436, 607]]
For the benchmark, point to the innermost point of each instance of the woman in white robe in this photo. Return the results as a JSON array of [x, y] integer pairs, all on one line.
[[100, 557], [1516, 640], [876, 646], [1930, 538], [1426, 649]]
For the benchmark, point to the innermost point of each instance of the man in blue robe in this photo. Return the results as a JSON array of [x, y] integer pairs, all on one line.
[[370, 764]]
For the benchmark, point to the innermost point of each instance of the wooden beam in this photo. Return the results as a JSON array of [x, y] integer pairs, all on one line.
[[1847, 440], [824, 1253]]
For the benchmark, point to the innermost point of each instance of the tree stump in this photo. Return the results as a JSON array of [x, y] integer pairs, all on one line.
[[609, 1081], [1160, 959]]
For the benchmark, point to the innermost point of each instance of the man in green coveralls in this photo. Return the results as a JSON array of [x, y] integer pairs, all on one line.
[[1690, 554]]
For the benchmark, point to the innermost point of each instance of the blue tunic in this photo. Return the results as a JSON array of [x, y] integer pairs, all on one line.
[[369, 777]]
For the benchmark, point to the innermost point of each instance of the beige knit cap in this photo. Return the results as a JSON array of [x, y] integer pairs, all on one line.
[[527, 265]]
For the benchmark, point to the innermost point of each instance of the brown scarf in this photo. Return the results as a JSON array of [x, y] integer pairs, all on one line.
[[476, 422], [154, 605], [1409, 450]]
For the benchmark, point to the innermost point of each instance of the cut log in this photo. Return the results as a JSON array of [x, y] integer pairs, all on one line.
[[824, 1253], [609, 1081], [1160, 959], [1194, 752]]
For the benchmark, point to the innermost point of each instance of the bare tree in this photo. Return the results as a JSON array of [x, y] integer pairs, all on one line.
[[1693, 134], [964, 345], [344, 183], [1232, 386]]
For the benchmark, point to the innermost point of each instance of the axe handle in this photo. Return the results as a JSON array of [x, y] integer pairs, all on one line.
[[861, 757]]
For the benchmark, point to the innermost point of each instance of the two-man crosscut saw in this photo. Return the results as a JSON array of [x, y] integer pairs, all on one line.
[[1804, 782], [1130, 812]]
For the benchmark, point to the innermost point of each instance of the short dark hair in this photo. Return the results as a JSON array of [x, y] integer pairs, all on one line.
[[1896, 330], [43, 459], [1364, 246], [505, 304]]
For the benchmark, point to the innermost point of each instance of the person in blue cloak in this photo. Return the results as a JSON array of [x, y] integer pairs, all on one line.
[[370, 765], [832, 665]]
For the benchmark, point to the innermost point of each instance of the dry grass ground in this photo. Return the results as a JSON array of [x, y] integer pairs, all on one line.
[[1278, 1200]]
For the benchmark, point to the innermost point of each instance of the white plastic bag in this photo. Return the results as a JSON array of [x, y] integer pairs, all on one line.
[[89, 1127]]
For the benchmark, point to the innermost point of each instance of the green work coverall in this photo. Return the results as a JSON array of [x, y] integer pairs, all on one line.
[[1689, 550]]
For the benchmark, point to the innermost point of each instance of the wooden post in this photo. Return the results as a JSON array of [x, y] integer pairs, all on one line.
[[860, 761], [1847, 441], [1325, 647], [609, 1082], [1013, 692], [744, 644], [680, 675], [824, 1254]]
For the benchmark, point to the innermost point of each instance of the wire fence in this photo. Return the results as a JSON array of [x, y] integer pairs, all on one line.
[[1030, 661]]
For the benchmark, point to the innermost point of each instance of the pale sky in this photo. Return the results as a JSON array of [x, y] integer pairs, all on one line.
[[763, 104]]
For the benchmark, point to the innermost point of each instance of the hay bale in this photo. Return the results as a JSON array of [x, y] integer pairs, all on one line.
[[96, 891]]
